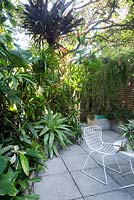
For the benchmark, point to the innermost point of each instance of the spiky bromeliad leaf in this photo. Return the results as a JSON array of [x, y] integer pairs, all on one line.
[[49, 24]]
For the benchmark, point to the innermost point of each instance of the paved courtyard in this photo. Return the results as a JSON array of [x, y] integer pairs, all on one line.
[[63, 179]]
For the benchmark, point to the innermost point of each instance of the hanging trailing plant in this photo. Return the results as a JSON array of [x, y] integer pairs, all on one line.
[[45, 24], [107, 82]]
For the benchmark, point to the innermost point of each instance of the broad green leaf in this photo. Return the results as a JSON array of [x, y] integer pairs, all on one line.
[[35, 180], [69, 133], [60, 137], [34, 153], [46, 137], [61, 120], [26, 197], [1, 76], [32, 196], [14, 80], [51, 153], [7, 186], [67, 140], [23, 132], [25, 164], [44, 131], [3, 164], [55, 150], [6, 149], [51, 140], [23, 183], [25, 139], [33, 131], [28, 78], [3, 53], [38, 126]]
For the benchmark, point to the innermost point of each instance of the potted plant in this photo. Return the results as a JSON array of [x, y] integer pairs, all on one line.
[[98, 119], [118, 115]]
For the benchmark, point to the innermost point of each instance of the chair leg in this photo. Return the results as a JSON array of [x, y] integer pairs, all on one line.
[[126, 186], [104, 168], [118, 171], [130, 161], [86, 160], [117, 165]]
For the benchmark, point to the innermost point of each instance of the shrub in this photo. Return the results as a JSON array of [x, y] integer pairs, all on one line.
[[53, 131], [128, 133]]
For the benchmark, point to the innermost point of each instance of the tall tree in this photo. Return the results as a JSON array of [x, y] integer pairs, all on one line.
[[107, 22]]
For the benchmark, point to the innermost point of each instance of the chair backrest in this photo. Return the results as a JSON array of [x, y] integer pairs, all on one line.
[[93, 137]]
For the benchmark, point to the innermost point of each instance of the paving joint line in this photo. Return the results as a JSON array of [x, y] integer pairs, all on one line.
[[74, 154], [114, 190], [53, 174], [73, 179]]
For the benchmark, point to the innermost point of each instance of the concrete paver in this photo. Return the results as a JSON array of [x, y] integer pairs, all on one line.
[[57, 187], [131, 191], [115, 195], [63, 179], [76, 162], [124, 180], [89, 186], [72, 150], [113, 134], [54, 166], [79, 199], [121, 179], [84, 146]]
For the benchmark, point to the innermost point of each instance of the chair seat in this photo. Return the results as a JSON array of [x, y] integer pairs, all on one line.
[[107, 148]]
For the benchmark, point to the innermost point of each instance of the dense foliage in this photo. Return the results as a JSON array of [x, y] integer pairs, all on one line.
[[128, 133], [37, 112], [19, 149], [105, 81]]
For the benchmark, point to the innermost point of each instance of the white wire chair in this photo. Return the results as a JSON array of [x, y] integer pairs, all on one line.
[[93, 138]]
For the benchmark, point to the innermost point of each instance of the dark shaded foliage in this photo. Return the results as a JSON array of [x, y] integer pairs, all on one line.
[[49, 25]]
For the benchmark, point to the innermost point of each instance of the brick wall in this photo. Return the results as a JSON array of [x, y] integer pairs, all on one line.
[[126, 99], [126, 96]]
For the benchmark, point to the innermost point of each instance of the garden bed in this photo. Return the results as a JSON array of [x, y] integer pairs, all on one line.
[[115, 126], [99, 120]]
